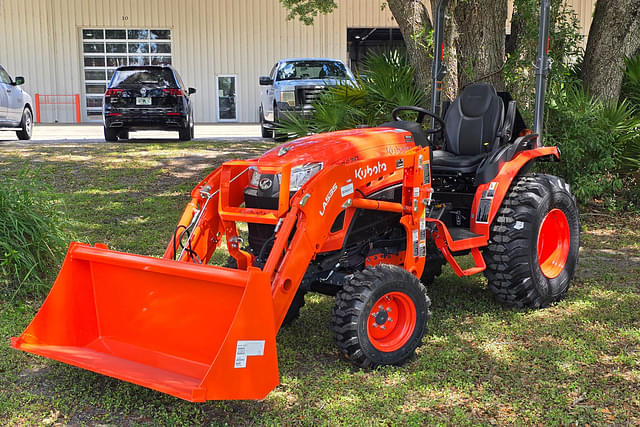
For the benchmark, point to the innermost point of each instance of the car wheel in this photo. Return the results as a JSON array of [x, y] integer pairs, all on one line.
[[26, 125], [266, 133], [186, 133], [277, 136], [111, 135], [123, 134]]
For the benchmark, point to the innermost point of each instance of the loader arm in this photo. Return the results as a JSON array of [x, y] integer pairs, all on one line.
[[201, 332], [310, 212]]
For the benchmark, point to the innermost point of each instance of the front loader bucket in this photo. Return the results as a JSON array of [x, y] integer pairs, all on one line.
[[196, 332]]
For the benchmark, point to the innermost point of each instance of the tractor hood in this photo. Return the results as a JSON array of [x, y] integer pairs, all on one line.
[[341, 147]]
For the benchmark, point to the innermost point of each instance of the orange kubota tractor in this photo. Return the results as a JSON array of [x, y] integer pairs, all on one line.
[[368, 215]]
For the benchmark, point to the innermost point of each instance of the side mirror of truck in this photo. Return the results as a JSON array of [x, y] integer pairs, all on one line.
[[191, 90], [265, 81], [19, 81]]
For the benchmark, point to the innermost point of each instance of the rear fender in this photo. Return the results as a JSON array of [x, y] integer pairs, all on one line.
[[489, 196]]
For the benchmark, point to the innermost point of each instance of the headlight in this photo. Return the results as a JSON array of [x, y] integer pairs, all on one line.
[[255, 177], [288, 96], [303, 173], [299, 176]]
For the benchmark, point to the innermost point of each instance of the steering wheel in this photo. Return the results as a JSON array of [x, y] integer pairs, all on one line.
[[421, 115]]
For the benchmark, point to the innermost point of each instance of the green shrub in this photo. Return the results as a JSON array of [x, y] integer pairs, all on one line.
[[565, 47], [631, 82], [388, 84], [32, 240], [599, 143]]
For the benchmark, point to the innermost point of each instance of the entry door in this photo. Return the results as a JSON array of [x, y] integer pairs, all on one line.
[[4, 96], [226, 86]]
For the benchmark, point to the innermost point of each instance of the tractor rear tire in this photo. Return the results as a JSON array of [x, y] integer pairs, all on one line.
[[380, 316], [534, 243]]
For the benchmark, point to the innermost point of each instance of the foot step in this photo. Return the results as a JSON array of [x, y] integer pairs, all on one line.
[[459, 233]]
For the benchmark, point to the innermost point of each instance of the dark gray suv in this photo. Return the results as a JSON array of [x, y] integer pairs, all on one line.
[[16, 111]]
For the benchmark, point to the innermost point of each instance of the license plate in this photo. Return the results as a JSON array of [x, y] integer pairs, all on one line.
[[143, 101]]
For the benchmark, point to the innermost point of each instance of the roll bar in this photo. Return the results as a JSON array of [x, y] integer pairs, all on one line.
[[543, 64]]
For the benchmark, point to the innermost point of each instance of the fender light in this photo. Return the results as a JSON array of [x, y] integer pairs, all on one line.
[[299, 175]]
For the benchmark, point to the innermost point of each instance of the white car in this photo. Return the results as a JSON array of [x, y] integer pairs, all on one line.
[[16, 108], [293, 85]]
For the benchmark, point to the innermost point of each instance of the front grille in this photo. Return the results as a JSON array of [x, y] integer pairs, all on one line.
[[259, 233], [307, 95]]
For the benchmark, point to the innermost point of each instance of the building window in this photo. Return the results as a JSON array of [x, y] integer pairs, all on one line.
[[104, 50], [226, 86]]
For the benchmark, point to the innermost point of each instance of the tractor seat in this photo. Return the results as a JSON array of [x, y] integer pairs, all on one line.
[[443, 158], [473, 123]]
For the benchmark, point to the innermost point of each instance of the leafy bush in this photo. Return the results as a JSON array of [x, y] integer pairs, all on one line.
[[565, 47], [32, 240], [631, 82], [600, 143], [388, 84]]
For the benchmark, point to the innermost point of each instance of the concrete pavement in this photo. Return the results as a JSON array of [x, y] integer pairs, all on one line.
[[93, 133]]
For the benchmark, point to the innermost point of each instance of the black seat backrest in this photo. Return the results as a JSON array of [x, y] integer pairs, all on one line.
[[473, 120]]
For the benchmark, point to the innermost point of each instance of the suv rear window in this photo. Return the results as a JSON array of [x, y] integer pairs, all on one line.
[[312, 70], [158, 77]]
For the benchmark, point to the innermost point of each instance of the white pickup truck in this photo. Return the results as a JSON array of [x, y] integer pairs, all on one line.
[[293, 85]]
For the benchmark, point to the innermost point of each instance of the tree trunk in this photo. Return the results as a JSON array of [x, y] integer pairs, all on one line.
[[481, 39], [415, 26], [614, 34]]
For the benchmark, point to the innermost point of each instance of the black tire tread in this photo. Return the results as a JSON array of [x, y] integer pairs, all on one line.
[[432, 268], [294, 309], [23, 134], [507, 255], [111, 135], [350, 302]]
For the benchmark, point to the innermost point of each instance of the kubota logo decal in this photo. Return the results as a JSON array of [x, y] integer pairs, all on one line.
[[327, 198], [362, 173]]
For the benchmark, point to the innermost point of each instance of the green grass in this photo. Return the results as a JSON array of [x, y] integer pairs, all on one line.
[[576, 362]]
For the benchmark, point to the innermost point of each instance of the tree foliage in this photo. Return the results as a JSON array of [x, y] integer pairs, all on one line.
[[307, 10], [564, 48]]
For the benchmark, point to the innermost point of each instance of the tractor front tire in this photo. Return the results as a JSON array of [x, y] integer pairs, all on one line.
[[432, 267], [534, 242], [294, 309], [380, 316]]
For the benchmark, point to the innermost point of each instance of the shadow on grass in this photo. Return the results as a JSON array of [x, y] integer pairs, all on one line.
[[576, 361]]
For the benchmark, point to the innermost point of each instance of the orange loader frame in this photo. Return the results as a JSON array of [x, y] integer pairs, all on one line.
[[201, 332]]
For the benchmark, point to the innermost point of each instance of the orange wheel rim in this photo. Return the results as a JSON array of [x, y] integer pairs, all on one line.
[[391, 321], [554, 241]]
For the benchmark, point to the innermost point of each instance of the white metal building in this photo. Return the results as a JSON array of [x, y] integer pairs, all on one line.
[[72, 46]]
